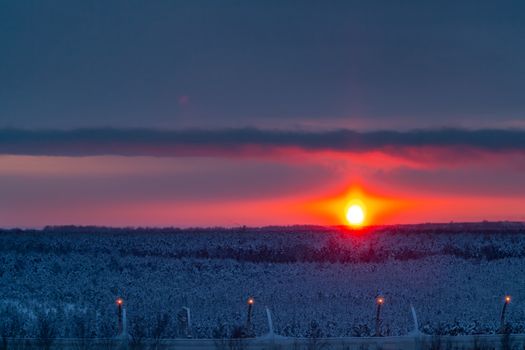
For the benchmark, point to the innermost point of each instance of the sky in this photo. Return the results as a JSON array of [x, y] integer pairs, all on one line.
[[205, 113]]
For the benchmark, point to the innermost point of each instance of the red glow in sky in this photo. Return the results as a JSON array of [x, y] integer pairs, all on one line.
[[280, 189]]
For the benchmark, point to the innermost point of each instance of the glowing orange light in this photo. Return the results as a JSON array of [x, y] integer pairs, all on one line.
[[355, 215], [377, 208], [251, 301], [380, 300], [507, 299], [120, 301]]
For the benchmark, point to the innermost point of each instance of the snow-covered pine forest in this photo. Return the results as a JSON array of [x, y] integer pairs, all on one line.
[[65, 280]]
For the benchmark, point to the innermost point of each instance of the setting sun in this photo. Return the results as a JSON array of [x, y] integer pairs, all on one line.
[[355, 215]]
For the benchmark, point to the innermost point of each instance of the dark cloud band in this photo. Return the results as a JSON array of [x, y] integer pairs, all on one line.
[[149, 142]]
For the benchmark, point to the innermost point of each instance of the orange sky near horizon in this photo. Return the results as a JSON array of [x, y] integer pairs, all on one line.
[[282, 189]]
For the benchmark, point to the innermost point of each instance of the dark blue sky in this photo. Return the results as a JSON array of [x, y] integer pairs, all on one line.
[[273, 64]]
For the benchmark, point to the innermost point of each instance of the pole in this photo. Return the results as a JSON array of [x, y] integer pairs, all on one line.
[[270, 322], [249, 317], [503, 310], [188, 321], [379, 301], [414, 318], [119, 302], [124, 331]]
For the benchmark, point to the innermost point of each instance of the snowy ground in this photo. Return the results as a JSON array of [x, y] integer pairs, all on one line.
[[455, 277]]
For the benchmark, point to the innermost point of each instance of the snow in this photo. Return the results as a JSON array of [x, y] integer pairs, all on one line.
[[313, 279]]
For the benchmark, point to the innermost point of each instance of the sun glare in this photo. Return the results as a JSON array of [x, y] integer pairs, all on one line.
[[355, 215], [356, 208]]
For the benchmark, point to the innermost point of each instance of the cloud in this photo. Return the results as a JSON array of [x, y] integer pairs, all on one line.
[[245, 141]]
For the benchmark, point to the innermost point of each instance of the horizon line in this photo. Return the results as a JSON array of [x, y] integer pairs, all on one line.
[[248, 227]]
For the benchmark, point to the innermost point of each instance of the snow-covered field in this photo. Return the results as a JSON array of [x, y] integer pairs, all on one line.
[[314, 279]]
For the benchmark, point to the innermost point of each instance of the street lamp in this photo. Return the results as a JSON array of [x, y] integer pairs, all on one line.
[[120, 303], [380, 300], [250, 303], [506, 301]]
